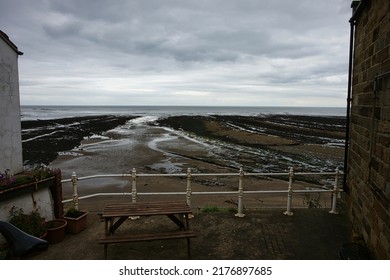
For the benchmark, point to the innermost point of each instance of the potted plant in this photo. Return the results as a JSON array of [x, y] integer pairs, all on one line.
[[55, 230], [76, 220], [32, 223]]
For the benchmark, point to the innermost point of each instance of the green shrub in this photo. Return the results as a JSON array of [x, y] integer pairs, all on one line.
[[211, 209], [31, 223], [73, 213]]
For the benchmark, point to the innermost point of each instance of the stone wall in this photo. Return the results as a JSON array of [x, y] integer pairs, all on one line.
[[369, 147], [10, 125]]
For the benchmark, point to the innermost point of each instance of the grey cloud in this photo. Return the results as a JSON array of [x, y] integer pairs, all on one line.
[[64, 31], [174, 45], [219, 31]]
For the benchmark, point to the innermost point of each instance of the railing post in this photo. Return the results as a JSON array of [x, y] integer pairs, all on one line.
[[335, 193], [75, 195], [240, 213], [189, 191], [290, 192], [134, 186]]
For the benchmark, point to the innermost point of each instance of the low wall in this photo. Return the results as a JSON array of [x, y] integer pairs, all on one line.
[[40, 200], [44, 196]]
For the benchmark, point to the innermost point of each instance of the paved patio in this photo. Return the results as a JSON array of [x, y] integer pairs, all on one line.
[[310, 234]]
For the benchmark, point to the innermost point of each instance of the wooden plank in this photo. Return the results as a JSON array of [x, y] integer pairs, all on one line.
[[145, 209], [111, 239], [142, 209]]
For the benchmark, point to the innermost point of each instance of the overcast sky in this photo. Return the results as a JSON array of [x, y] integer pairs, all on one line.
[[180, 52]]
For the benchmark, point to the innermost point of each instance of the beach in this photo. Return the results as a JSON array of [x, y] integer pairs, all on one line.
[[205, 144]]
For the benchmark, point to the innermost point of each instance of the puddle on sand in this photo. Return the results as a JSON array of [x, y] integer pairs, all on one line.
[[167, 167]]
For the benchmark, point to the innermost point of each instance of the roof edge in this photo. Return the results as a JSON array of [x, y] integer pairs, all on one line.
[[359, 8], [9, 42]]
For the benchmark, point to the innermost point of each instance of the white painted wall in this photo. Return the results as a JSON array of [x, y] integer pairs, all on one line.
[[10, 124], [40, 200]]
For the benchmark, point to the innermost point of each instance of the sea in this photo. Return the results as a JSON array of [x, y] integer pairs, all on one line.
[[34, 112]]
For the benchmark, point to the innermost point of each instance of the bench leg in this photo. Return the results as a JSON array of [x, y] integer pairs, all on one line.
[[177, 220], [105, 251]]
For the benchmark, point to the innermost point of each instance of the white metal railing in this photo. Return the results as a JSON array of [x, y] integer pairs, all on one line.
[[335, 191]]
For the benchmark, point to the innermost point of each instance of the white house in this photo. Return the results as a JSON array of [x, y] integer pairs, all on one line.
[[26, 197], [10, 126]]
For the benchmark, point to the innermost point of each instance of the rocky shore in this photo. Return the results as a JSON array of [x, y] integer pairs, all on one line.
[[269, 143], [44, 139], [260, 143], [205, 144]]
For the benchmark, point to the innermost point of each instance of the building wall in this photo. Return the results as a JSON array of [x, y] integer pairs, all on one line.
[[369, 146], [10, 125]]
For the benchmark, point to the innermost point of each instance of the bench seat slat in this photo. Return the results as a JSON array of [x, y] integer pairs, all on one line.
[[111, 239]]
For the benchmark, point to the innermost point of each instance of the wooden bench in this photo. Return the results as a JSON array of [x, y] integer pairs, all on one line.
[[112, 239]]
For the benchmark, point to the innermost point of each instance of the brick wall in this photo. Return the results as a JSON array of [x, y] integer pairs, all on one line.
[[369, 147]]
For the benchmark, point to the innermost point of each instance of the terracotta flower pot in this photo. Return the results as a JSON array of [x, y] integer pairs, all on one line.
[[55, 230]]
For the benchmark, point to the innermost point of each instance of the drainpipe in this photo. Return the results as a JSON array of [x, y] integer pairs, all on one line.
[[354, 7], [349, 95]]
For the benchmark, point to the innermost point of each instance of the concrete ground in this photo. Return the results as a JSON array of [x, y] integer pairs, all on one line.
[[309, 234]]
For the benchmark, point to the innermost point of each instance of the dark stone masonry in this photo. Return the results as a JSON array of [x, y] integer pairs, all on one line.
[[369, 141]]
